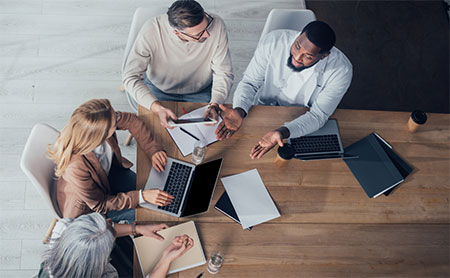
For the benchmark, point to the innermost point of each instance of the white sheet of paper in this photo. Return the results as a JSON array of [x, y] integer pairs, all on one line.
[[250, 198], [204, 132]]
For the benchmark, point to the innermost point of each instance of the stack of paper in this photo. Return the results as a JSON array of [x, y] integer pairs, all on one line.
[[203, 132], [250, 198]]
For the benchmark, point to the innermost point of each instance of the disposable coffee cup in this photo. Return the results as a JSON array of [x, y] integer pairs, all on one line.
[[418, 118], [284, 154]]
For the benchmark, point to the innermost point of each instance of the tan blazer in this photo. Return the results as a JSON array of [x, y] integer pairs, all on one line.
[[84, 188]]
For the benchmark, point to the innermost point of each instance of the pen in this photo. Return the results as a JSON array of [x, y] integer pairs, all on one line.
[[190, 134], [200, 275]]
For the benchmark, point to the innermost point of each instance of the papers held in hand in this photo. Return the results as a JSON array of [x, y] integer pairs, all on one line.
[[191, 121], [186, 138]]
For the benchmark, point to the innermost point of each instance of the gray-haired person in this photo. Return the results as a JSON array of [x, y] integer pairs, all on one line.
[[81, 247]]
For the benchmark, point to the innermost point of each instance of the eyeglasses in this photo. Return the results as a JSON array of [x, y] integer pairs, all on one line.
[[199, 36]]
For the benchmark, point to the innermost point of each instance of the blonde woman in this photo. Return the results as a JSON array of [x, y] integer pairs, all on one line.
[[92, 174]]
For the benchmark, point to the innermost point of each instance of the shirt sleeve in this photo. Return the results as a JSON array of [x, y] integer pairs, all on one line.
[[222, 73], [141, 197], [323, 107], [136, 65], [90, 193], [254, 76], [137, 128]]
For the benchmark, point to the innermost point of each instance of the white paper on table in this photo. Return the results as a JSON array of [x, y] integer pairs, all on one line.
[[250, 198], [203, 132]]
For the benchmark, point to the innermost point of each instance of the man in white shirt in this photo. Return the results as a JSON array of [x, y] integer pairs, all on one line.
[[291, 69], [180, 56]]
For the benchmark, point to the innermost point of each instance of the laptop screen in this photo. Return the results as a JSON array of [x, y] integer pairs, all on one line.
[[202, 187]]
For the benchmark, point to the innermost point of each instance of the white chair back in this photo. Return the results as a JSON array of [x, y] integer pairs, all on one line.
[[37, 167], [294, 19], [141, 15]]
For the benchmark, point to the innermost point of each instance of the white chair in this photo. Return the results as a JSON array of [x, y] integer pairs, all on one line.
[[294, 19], [141, 15], [40, 169]]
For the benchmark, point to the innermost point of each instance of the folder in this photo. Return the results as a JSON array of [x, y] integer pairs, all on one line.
[[378, 168], [225, 206], [149, 250], [250, 198]]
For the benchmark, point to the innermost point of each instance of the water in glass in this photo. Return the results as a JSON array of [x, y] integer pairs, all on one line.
[[199, 152], [215, 262]]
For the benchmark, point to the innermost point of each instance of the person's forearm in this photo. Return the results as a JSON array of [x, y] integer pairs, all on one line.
[[241, 112], [245, 94], [122, 229], [161, 269], [284, 132], [126, 229]]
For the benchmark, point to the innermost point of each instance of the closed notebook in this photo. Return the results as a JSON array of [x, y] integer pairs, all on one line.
[[149, 250], [374, 169], [225, 206], [402, 166]]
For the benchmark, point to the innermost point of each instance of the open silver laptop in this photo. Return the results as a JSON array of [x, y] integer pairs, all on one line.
[[324, 143], [192, 186]]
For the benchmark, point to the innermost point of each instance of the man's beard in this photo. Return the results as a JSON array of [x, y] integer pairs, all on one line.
[[298, 69]]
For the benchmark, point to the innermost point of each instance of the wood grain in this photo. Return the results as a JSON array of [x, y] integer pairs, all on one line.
[[328, 225]]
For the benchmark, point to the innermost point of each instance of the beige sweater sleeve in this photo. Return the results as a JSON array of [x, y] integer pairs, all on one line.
[[222, 69], [136, 65]]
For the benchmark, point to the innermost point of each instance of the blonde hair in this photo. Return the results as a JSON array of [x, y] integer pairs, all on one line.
[[87, 129]]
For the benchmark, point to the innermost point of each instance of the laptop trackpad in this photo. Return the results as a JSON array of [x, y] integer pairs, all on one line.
[[158, 180]]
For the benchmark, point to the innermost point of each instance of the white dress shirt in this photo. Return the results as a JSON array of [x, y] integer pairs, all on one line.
[[104, 154], [269, 81]]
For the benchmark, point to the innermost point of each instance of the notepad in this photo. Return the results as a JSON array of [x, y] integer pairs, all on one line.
[[184, 141], [149, 250], [250, 198], [378, 168]]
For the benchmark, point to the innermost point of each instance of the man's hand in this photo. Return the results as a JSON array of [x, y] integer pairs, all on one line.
[[157, 197], [151, 230], [179, 246], [266, 143], [212, 112], [164, 114], [232, 121], [159, 160]]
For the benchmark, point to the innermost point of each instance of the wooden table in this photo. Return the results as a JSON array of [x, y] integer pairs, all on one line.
[[328, 225]]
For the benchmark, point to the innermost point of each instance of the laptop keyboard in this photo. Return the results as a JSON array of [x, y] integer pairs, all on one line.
[[176, 184], [315, 144]]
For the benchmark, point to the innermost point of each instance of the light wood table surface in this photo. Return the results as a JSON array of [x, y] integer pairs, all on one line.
[[328, 226]]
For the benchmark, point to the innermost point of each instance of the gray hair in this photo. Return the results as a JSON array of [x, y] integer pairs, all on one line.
[[83, 249]]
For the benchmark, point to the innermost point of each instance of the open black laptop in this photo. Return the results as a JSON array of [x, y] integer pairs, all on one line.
[[324, 143], [192, 186]]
